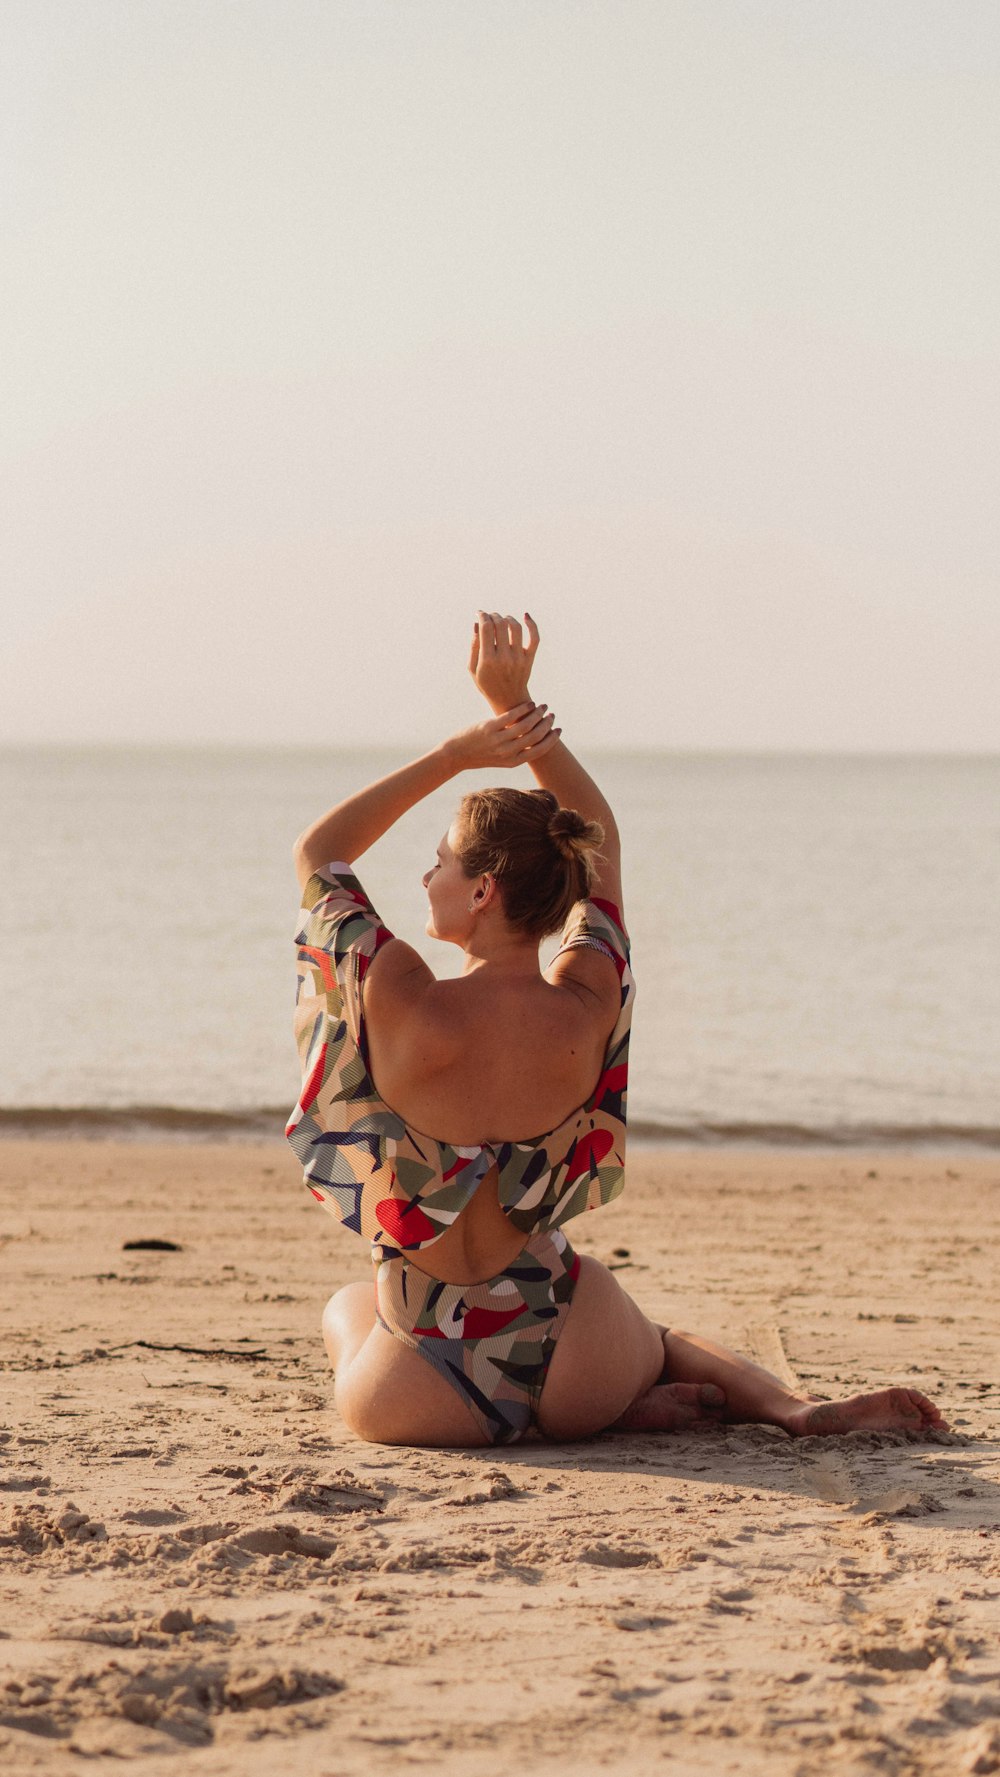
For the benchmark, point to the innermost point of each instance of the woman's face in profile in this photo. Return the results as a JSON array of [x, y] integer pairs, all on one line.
[[449, 891]]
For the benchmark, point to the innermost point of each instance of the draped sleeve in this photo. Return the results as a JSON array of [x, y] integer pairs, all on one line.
[[580, 1165], [339, 935], [361, 1162]]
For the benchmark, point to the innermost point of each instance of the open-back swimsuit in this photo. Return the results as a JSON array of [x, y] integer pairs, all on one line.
[[402, 1190]]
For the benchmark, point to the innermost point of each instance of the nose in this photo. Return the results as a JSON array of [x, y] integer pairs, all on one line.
[[426, 878]]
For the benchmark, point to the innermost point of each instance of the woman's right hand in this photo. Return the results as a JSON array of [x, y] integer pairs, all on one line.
[[500, 660], [516, 736]]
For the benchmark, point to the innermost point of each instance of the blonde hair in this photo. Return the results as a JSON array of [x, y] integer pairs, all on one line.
[[542, 857]]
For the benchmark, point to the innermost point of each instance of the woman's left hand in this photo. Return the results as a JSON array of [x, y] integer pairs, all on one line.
[[500, 659], [516, 737]]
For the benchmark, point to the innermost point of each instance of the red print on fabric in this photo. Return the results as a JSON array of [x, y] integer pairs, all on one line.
[[614, 1079], [479, 1323], [404, 1222], [590, 1151], [321, 958], [310, 1090]]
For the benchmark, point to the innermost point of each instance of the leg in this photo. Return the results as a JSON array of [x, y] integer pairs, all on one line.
[[608, 1357], [613, 1367], [753, 1395], [348, 1319], [386, 1392]]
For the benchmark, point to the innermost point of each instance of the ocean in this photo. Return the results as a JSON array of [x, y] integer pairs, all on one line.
[[816, 940]]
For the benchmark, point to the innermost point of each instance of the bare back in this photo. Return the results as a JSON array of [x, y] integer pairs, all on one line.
[[498, 1055], [492, 1057]]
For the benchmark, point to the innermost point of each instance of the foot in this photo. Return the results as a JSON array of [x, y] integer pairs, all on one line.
[[892, 1409], [675, 1406]]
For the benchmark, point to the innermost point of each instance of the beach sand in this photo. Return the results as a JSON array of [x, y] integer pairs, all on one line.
[[201, 1569]]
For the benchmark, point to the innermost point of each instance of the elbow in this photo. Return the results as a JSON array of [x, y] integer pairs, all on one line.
[[301, 858]]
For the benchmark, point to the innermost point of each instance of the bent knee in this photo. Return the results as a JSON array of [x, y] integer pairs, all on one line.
[[568, 1425], [347, 1320], [346, 1302], [360, 1414], [607, 1354]]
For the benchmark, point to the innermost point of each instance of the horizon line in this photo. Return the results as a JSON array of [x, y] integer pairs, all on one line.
[[415, 748]]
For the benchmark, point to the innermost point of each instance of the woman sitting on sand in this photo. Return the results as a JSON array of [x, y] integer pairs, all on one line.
[[482, 1321]]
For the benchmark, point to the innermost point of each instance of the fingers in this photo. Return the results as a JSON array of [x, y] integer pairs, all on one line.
[[501, 635], [515, 640], [538, 722], [533, 637], [519, 713], [528, 733], [542, 747], [474, 650]]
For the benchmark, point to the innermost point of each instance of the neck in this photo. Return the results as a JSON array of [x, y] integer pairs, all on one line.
[[488, 947]]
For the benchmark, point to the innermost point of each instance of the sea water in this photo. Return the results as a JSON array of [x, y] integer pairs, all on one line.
[[816, 940]]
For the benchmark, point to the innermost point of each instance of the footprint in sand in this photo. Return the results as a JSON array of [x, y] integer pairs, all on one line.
[[341, 1491], [34, 1529], [608, 1555], [897, 1502], [179, 1698], [493, 1485], [303, 1490]]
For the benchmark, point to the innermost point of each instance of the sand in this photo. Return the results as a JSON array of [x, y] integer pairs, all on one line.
[[201, 1569]]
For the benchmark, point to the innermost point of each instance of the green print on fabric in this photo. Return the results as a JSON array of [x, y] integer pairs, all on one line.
[[491, 1341]]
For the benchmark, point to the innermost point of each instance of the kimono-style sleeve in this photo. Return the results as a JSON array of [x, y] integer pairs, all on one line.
[[338, 1127], [587, 1153], [338, 935], [361, 1162], [598, 925]]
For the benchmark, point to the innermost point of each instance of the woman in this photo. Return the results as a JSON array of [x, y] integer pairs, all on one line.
[[482, 1322]]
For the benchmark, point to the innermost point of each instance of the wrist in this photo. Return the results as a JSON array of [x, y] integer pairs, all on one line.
[[500, 705], [446, 759]]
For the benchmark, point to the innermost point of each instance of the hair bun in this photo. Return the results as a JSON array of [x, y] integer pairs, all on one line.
[[572, 835]]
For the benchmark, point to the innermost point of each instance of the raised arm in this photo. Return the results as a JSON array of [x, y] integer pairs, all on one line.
[[346, 831], [500, 661]]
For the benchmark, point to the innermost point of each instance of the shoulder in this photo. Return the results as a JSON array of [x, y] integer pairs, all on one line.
[[397, 980], [595, 928], [593, 958], [417, 1025], [589, 977], [409, 1012]]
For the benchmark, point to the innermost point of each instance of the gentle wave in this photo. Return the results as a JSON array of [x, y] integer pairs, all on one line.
[[140, 1122], [941, 1136], [174, 1122]]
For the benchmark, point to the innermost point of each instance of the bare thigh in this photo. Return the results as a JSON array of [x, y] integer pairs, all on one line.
[[385, 1391], [607, 1354]]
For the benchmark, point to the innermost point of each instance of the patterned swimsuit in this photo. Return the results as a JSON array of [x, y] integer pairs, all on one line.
[[401, 1190]]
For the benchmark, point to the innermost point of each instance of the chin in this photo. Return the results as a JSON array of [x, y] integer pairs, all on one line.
[[434, 931]]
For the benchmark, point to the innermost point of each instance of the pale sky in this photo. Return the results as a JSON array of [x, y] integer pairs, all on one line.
[[677, 321]]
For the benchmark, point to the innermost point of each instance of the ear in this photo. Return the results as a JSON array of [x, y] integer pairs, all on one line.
[[485, 893]]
